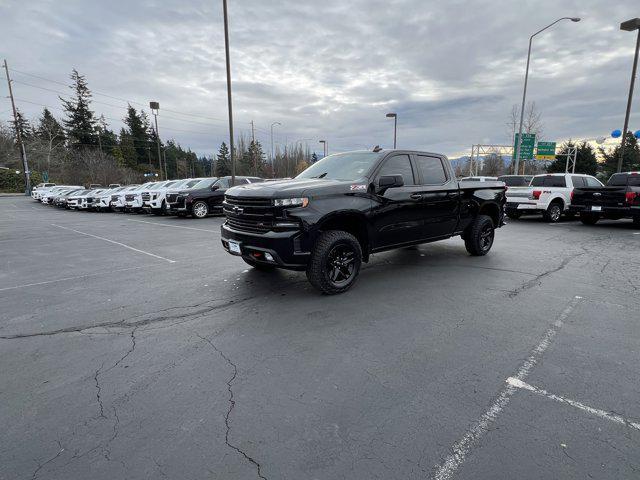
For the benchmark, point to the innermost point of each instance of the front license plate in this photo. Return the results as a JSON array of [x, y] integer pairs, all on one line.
[[596, 209], [234, 247]]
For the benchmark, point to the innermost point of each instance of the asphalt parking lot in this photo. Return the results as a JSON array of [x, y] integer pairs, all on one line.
[[133, 346]]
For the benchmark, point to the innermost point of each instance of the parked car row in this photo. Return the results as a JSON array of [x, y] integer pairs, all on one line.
[[195, 197]]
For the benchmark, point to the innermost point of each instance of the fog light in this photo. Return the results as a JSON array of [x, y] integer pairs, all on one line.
[[268, 257]]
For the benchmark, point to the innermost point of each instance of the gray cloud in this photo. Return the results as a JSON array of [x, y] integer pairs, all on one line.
[[452, 70]]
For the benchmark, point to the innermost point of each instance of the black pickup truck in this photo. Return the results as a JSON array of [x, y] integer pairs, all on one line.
[[620, 198], [335, 214]]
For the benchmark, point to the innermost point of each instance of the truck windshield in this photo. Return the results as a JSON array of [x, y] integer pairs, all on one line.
[[342, 166]]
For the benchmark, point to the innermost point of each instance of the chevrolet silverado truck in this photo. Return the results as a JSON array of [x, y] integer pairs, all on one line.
[[548, 194], [620, 198], [330, 219]]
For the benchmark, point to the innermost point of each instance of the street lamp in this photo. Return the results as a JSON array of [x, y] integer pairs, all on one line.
[[272, 125], [524, 93], [629, 26], [395, 126], [325, 148], [155, 106]]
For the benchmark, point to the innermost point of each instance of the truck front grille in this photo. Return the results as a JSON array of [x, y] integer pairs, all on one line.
[[146, 196], [129, 198], [248, 225], [250, 202], [114, 198], [172, 197]]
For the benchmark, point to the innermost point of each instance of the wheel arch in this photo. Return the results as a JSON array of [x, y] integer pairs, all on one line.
[[492, 211], [352, 222]]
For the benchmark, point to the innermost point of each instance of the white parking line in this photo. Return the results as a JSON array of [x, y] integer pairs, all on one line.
[[70, 278], [174, 226], [594, 411], [462, 447], [116, 243]]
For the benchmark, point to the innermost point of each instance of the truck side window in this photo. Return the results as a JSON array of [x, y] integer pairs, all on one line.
[[555, 181], [578, 182], [398, 165], [431, 169]]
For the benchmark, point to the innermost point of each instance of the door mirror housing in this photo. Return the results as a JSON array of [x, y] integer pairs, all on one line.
[[390, 181], [214, 187]]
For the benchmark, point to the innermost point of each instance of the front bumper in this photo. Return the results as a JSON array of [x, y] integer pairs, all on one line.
[[284, 247]]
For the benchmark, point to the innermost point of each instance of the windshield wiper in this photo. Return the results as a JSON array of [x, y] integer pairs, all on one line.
[[322, 175]]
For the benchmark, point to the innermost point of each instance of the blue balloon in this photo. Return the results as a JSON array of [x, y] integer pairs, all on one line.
[[616, 133], [637, 134]]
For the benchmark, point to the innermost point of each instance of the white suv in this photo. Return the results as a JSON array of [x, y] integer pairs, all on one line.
[[548, 194], [153, 197]]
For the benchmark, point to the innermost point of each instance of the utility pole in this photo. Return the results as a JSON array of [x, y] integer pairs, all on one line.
[[253, 132], [226, 49], [23, 151], [629, 26]]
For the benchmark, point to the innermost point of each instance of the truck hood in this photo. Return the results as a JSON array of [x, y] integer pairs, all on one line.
[[294, 188]]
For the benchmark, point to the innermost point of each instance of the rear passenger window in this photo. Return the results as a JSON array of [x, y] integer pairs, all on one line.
[[578, 182], [398, 165], [555, 182], [431, 169]]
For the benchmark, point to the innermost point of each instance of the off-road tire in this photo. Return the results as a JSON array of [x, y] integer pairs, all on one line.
[[335, 250], [478, 239], [589, 219], [553, 213]]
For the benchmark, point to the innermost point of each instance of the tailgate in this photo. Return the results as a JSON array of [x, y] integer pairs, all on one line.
[[599, 196], [518, 193]]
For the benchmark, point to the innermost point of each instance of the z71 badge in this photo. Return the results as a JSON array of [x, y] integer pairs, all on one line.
[[358, 187]]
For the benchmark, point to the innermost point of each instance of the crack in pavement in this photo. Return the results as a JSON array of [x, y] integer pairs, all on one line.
[[124, 324], [41, 466], [99, 390], [537, 280], [232, 405]]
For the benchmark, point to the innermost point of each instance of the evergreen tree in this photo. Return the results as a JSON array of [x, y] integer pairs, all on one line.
[[138, 124], [223, 161], [128, 149], [631, 160], [48, 128], [254, 163], [586, 161], [22, 125], [80, 123]]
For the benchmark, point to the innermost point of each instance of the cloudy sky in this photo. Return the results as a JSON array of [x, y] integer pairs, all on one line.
[[332, 69]]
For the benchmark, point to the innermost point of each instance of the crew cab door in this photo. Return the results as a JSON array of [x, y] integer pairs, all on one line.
[[398, 214], [440, 197]]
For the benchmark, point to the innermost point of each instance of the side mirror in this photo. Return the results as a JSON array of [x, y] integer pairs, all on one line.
[[214, 187], [390, 181]]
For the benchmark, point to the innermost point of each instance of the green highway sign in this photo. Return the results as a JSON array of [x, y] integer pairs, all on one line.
[[546, 151], [526, 148]]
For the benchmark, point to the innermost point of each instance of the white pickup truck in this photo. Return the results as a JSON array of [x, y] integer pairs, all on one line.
[[547, 194]]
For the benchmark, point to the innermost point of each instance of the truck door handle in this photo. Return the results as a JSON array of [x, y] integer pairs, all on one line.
[[416, 196]]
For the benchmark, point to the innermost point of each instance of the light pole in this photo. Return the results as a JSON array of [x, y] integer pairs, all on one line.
[[629, 26], [226, 49], [155, 106], [395, 126], [325, 149], [272, 125], [524, 93]]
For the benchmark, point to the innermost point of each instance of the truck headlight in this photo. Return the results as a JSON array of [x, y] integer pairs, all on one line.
[[291, 202]]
